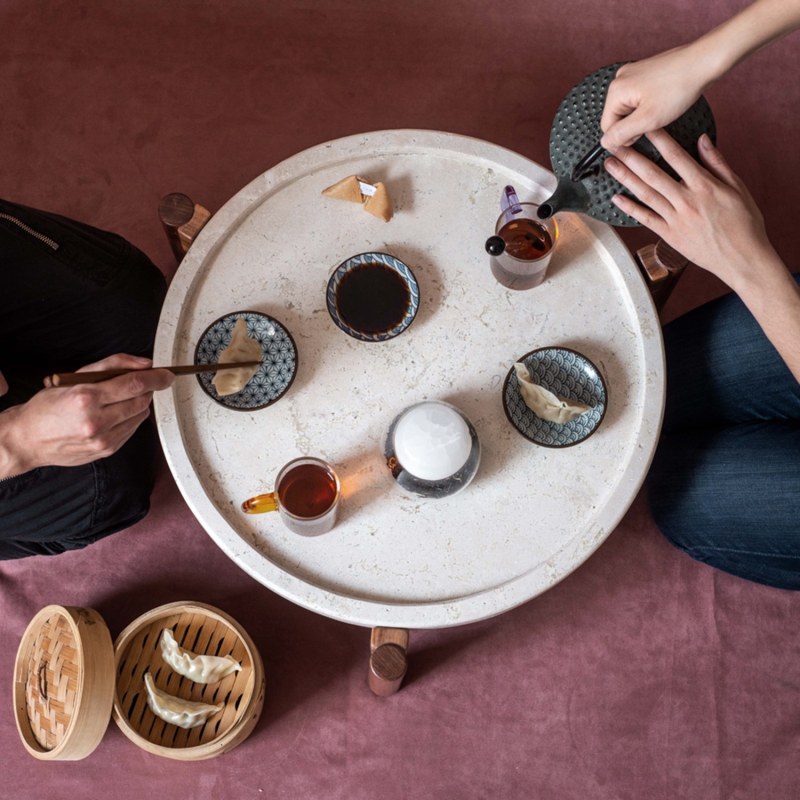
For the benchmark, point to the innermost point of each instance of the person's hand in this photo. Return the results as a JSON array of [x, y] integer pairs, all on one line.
[[649, 94], [78, 424], [709, 216]]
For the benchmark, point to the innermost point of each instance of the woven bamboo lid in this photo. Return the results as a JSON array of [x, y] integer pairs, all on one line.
[[201, 629], [64, 683]]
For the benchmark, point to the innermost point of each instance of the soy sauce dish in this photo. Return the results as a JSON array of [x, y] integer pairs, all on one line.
[[373, 297]]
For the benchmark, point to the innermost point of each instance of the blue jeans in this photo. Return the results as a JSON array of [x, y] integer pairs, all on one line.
[[725, 483]]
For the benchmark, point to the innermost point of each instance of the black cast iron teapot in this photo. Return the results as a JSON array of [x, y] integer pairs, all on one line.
[[574, 141]]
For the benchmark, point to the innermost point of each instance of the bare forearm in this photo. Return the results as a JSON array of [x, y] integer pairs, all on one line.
[[773, 298], [12, 453], [756, 26]]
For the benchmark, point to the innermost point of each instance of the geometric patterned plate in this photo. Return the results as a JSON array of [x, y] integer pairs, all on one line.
[[393, 263], [567, 374], [274, 376]]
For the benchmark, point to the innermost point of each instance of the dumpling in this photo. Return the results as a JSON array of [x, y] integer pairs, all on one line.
[[543, 402], [176, 710], [240, 348], [197, 668]]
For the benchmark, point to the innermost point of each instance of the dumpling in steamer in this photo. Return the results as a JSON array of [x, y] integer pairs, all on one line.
[[543, 402], [197, 668], [240, 348], [176, 710]]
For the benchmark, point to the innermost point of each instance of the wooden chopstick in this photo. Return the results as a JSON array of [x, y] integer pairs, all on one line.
[[75, 378]]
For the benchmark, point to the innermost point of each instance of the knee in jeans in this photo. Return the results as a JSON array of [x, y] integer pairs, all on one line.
[[665, 510]]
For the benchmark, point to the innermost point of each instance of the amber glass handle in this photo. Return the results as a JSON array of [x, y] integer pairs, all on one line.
[[261, 503]]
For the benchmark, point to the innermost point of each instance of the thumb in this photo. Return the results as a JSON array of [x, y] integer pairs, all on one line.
[[623, 133]]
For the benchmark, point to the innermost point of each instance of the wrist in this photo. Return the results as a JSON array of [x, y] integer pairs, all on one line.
[[764, 278], [14, 458], [711, 57]]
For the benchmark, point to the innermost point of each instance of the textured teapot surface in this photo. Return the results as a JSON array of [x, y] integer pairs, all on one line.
[[576, 130]]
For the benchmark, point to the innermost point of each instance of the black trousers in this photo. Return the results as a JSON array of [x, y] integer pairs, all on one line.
[[72, 294]]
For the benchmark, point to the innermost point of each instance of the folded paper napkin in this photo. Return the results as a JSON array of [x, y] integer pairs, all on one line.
[[374, 197]]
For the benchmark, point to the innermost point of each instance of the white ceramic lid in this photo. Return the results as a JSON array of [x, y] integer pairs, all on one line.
[[432, 441]]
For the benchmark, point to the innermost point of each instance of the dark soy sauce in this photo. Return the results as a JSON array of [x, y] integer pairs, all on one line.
[[372, 298]]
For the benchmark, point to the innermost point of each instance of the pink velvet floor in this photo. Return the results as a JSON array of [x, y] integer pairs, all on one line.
[[643, 674]]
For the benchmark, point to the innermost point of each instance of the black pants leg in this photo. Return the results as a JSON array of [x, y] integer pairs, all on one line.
[[72, 294]]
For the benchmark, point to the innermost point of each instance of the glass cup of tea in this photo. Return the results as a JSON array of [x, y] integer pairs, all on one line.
[[521, 249], [307, 494]]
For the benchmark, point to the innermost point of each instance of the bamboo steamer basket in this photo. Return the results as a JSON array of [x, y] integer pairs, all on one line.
[[69, 677], [201, 629]]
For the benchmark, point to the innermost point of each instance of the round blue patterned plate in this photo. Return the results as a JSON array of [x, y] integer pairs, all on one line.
[[567, 374], [274, 376], [372, 331]]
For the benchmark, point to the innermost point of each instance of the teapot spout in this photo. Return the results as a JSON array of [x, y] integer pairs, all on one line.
[[569, 195]]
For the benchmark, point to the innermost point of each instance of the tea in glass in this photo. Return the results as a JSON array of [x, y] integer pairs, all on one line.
[[527, 246], [307, 494]]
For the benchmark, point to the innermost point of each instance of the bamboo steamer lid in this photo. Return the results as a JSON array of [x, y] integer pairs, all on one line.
[[201, 629], [69, 677], [64, 683]]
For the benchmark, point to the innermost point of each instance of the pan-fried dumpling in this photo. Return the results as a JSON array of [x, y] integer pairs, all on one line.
[[240, 348], [176, 710], [543, 402], [197, 668]]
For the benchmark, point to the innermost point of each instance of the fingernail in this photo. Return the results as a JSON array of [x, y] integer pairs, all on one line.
[[705, 142], [611, 164]]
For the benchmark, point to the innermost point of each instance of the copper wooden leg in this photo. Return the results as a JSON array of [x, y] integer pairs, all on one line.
[[662, 266], [388, 660], [182, 220]]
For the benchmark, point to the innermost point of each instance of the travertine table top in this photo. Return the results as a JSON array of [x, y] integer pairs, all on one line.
[[532, 514]]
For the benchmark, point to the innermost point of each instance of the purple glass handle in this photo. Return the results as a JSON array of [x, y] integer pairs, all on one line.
[[509, 201]]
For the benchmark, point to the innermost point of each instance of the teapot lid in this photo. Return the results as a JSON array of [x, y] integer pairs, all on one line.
[[576, 130]]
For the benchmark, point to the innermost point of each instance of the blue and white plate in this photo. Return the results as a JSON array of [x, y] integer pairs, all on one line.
[[567, 374], [373, 258], [279, 360]]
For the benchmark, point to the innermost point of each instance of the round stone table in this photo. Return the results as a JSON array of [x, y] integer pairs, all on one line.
[[532, 514]]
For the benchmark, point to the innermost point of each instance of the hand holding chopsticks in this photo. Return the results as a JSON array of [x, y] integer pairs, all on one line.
[[89, 376]]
